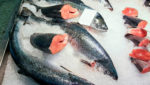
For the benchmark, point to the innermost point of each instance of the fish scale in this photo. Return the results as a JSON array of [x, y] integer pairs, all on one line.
[[53, 12], [90, 47], [40, 70]]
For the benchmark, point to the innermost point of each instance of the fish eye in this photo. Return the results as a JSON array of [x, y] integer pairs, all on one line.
[[96, 21], [107, 72]]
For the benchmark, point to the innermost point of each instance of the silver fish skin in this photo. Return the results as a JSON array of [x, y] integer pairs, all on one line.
[[38, 69], [97, 24], [89, 46], [106, 3], [86, 44]]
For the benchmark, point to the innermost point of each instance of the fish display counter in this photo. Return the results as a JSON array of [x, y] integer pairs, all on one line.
[[80, 42]]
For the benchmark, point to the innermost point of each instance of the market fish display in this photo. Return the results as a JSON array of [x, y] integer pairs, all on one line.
[[72, 13], [82, 40], [113, 41], [39, 69], [89, 46]]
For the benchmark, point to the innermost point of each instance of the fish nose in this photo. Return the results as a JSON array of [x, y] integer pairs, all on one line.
[[105, 27], [109, 68], [111, 71], [115, 77]]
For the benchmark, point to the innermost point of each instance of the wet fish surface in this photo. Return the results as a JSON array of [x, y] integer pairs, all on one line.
[[90, 47], [98, 23], [41, 70], [37, 68], [48, 42], [106, 3]]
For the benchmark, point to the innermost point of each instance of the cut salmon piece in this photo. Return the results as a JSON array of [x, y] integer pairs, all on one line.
[[135, 39], [58, 43], [68, 12], [140, 54], [144, 43], [142, 24], [134, 22], [49, 42], [138, 32], [142, 66], [130, 12]]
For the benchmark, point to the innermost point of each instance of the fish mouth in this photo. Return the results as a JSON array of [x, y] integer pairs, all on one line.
[[109, 68], [104, 27], [111, 72], [103, 30]]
